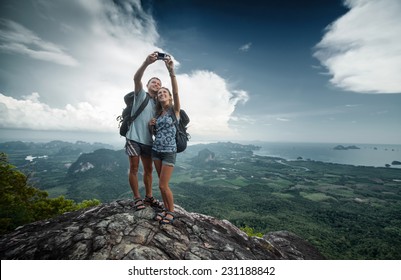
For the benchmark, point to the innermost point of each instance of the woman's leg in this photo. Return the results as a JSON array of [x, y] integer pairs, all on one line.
[[158, 166], [164, 179]]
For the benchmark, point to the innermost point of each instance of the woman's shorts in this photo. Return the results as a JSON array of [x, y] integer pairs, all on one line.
[[167, 158]]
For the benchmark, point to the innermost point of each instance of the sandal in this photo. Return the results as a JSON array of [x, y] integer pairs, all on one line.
[[166, 220], [160, 216], [138, 204], [153, 202]]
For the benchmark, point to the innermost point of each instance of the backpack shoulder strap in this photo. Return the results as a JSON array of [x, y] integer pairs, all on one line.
[[172, 113], [140, 109]]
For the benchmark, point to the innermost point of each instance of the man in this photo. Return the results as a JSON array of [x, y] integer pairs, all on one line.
[[139, 139]]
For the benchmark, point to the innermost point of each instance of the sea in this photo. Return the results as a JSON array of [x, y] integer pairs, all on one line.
[[377, 155]]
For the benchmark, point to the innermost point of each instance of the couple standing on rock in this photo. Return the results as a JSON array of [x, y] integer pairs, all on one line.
[[155, 119]]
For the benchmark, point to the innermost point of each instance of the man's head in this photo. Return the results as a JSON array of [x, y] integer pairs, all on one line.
[[154, 85]]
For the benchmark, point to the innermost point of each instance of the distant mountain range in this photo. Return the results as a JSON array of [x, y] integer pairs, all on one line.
[[60, 147]]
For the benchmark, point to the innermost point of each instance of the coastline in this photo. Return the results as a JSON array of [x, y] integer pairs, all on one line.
[[374, 155]]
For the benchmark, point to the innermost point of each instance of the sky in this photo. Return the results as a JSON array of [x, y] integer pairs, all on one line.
[[280, 71]]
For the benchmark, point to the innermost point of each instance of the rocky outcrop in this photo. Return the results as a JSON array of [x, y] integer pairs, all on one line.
[[115, 231]]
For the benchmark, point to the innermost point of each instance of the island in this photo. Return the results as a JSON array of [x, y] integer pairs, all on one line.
[[343, 148]]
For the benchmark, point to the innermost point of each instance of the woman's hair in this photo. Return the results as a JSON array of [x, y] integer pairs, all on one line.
[[159, 107]]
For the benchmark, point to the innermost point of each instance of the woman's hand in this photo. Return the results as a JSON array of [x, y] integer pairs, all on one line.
[[152, 122], [170, 65]]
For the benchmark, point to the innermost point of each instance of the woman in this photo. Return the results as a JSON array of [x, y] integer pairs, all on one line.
[[164, 148]]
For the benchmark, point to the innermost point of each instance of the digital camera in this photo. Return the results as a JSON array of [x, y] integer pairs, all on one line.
[[162, 56]]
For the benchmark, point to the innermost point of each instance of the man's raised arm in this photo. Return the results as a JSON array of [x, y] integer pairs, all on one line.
[[141, 70]]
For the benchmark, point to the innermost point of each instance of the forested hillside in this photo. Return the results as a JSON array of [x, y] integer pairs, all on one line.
[[21, 203]]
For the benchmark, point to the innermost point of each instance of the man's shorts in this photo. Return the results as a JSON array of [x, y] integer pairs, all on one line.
[[166, 158], [135, 149]]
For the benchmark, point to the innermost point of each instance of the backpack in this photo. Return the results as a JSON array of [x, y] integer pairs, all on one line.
[[181, 136], [125, 119]]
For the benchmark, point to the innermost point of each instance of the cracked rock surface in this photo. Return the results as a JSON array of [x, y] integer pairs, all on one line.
[[114, 231]]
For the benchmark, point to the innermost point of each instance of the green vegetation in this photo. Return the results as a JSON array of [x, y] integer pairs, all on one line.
[[347, 212], [21, 204], [251, 231]]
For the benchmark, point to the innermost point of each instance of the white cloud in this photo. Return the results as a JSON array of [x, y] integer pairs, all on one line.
[[283, 119], [209, 102], [245, 47], [110, 42], [362, 49], [30, 113], [204, 96]]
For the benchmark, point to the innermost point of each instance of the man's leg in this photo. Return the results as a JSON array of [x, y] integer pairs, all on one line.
[[133, 175], [133, 182], [147, 174]]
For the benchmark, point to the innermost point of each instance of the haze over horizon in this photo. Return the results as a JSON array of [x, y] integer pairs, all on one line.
[[285, 71]]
